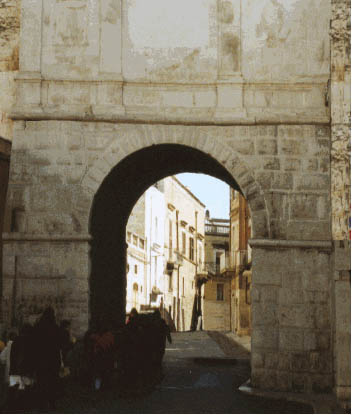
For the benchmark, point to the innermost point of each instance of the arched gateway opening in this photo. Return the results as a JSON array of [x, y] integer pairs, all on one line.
[[112, 206]]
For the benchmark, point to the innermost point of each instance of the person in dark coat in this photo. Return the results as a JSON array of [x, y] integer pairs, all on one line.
[[161, 332], [48, 341], [101, 352], [133, 317], [21, 370], [66, 339]]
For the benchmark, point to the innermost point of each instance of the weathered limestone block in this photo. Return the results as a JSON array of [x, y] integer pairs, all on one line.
[[264, 314], [265, 338], [282, 181], [9, 34], [291, 339], [284, 381], [309, 230], [266, 146], [257, 360]]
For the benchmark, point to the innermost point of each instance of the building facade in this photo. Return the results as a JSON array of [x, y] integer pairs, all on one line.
[[145, 253], [217, 289], [184, 252], [136, 270], [163, 269], [240, 264], [99, 107]]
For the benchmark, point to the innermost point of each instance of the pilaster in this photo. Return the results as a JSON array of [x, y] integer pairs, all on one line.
[[230, 81]]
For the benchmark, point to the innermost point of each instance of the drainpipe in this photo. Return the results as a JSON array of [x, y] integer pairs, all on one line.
[[178, 279], [150, 251], [199, 305]]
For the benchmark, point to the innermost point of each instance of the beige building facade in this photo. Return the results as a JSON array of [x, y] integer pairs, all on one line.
[[240, 264], [247, 91], [136, 272], [184, 252], [217, 289]]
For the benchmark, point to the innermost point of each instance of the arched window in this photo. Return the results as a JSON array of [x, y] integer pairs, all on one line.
[[135, 295]]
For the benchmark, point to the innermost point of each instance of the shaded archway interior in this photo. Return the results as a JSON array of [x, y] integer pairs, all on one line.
[[111, 208]]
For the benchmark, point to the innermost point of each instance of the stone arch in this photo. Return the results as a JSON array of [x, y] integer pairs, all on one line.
[[131, 164], [133, 138]]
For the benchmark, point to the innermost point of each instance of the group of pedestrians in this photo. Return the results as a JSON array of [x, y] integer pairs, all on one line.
[[133, 352], [33, 359], [38, 356], [143, 348]]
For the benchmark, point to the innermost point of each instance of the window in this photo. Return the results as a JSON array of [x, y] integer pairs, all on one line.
[[220, 292], [217, 263], [135, 240], [136, 269], [141, 243], [170, 281], [191, 249], [135, 295], [184, 243], [129, 236]]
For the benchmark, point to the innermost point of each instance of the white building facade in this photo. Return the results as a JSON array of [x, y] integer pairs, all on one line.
[[184, 253], [145, 262], [164, 259]]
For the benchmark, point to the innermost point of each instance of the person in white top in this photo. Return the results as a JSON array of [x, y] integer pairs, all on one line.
[[5, 356]]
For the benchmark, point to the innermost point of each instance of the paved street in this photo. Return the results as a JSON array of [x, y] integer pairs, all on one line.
[[199, 378]]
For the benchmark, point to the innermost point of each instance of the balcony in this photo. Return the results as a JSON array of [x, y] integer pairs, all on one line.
[[222, 230], [175, 259], [212, 268]]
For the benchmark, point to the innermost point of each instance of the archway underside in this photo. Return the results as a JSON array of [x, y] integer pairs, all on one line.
[[111, 208]]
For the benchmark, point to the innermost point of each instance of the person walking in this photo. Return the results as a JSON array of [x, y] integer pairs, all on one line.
[[5, 356], [21, 371], [161, 332], [48, 346], [102, 355], [66, 339], [132, 318], [5, 361]]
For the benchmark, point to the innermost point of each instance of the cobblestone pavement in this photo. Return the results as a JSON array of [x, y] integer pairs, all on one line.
[[198, 377]]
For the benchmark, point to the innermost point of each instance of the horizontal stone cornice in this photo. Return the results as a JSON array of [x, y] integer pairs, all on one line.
[[155, 115], [22, 237], [286, 244]]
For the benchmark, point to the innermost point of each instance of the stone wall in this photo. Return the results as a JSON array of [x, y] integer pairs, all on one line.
[[216, 314], [249, 90], [58, 166], [5, 150], [9, 60], [291, 320], [340, 33], [236, 66]]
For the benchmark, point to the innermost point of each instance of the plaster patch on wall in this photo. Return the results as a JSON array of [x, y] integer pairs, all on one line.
[[169, 41], [273, 25], [279, 41]]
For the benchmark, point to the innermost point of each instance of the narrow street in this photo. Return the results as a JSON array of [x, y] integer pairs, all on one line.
[[200, 376]]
